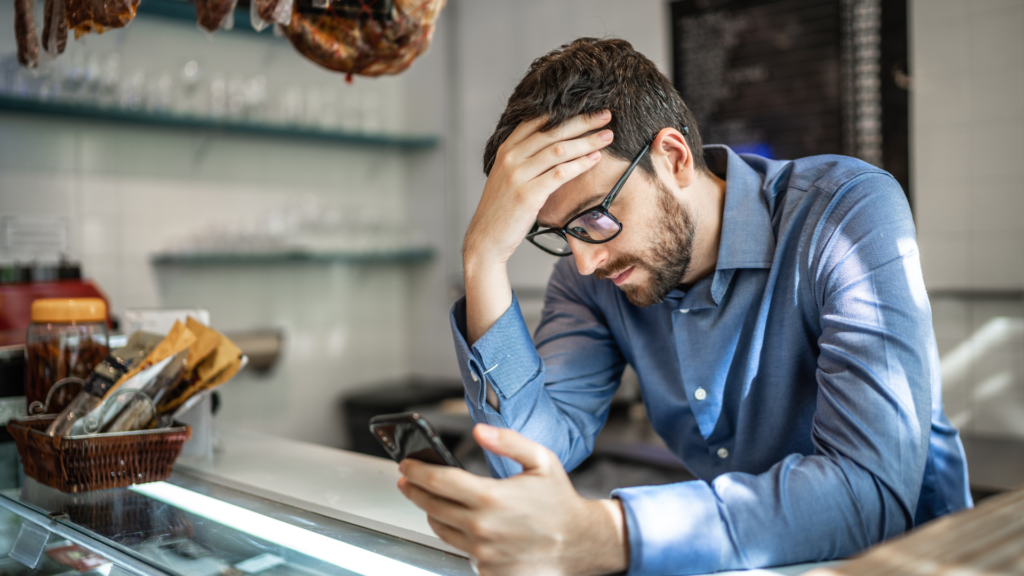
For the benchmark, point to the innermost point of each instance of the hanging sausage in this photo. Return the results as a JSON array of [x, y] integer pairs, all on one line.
[[55, 27], [25, 33]]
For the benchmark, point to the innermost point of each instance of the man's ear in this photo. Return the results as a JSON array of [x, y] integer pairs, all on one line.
[[672, 158]]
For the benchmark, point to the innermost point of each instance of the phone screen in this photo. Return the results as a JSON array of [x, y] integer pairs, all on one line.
[[408, 436]]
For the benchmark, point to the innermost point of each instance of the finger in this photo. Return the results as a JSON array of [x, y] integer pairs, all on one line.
[[509, 443], [451, 513], [565, 151], [525, 129], [564, 172], [446, 481], [572, 128], [450, 535]]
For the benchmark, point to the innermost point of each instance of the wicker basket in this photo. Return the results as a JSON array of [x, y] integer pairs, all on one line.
[[95, 461]]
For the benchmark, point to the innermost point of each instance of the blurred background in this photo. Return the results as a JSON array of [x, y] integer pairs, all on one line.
[[319, 220]]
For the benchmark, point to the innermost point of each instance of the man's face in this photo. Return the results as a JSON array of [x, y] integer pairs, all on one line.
[[651, 255]]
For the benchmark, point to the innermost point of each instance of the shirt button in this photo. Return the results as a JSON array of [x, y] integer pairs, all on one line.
[[473, 376], [684, 310], [700, 394], [723, 453]]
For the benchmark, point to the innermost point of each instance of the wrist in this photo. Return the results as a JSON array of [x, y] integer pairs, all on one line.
[[610, 552], [479, 262]]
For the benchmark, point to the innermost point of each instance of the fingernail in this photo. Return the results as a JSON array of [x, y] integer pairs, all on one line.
[[487, 432], [605, 114], [593, 156], [605, 135]]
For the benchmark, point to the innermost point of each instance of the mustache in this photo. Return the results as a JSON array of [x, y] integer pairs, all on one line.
[[618, 265]]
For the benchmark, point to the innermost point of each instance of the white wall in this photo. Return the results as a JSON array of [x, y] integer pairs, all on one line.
[[967, 64], [129, 191], [968, 141]]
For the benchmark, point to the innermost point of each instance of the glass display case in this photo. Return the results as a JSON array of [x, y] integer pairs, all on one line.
[[193, 527]]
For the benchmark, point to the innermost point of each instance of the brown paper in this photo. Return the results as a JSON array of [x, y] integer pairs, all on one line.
[[178, 339], [206, 343], [219, 367]]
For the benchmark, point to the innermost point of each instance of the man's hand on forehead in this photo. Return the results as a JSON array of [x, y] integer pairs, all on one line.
[[528, 167]]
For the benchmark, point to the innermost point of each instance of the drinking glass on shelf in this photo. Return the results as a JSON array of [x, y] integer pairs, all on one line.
[[218, 95], [133, 91], [370, 113], [291, 105], [110, 79], [351, 112], [158, 93], [328, 109], [236, 96], [255, 93]]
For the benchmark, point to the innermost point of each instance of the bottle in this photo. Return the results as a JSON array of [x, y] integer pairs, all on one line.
[[67, 338]]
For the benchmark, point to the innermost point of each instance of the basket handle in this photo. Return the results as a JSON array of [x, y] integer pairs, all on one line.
[[37, 407], [92, 426]]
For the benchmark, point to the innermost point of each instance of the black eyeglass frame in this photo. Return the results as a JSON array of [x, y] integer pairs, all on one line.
[[602, 208]]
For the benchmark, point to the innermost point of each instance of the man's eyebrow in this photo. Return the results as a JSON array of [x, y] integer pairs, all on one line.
[[590, 202]]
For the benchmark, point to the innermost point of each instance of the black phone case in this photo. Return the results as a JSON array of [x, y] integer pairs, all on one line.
[[409, 435]]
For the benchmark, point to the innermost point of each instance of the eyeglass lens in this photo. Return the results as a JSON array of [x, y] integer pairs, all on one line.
[[552, 242], [594, 226]]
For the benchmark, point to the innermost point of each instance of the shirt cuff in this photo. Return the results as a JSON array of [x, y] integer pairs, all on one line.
[[673, 529], [505, 355]]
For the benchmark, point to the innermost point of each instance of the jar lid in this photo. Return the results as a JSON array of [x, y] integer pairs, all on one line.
[[69, 310]]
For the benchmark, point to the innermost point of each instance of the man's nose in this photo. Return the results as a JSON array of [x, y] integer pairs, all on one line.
[[589, 257]]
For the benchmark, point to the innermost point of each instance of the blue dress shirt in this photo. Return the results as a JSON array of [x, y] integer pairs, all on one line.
[[800, 382]]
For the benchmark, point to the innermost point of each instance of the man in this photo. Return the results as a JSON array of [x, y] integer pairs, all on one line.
[[774, 311]]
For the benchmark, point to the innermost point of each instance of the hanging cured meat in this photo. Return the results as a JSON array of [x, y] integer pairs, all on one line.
[[212, 15], [366, 37], [266, 12], [55, 27], [25, 33], [85, 16]]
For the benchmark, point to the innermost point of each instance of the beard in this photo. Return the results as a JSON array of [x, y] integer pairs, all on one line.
[[666, 261]]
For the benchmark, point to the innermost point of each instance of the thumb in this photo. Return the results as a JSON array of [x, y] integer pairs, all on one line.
[[503, 442]]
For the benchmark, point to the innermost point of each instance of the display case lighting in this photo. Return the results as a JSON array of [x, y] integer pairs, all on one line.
[[311, 544]]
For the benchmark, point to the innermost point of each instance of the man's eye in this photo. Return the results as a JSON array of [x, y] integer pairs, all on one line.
[[580, 231]]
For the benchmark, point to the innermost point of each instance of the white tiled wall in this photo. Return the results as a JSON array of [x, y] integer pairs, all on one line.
[[968, 141], [967, 60], [129, 191]]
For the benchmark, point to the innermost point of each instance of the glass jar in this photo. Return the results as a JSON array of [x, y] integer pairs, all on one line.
[[67, 338]]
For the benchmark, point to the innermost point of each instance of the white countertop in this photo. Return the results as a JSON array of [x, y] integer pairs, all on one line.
[[343, 485], [347, 486]]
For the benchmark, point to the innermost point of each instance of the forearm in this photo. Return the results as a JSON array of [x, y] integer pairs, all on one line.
[[488, 294]]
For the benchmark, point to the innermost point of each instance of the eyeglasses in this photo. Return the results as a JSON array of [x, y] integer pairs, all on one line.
[[594, 225]]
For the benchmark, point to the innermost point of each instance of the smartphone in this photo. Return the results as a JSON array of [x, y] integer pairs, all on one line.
[[409, 435]]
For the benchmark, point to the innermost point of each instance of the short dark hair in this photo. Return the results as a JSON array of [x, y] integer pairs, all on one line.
[[589, 75]]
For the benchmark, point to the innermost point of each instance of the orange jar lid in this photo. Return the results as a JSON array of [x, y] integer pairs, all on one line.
[[69, 310]]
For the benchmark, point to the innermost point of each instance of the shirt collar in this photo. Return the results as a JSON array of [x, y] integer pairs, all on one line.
[[748, 240]]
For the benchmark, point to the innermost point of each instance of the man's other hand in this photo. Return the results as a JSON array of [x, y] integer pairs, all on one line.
[[532, 523]]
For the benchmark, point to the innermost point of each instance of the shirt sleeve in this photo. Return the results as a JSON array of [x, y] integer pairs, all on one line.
[[876, 366], [557, 392]]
